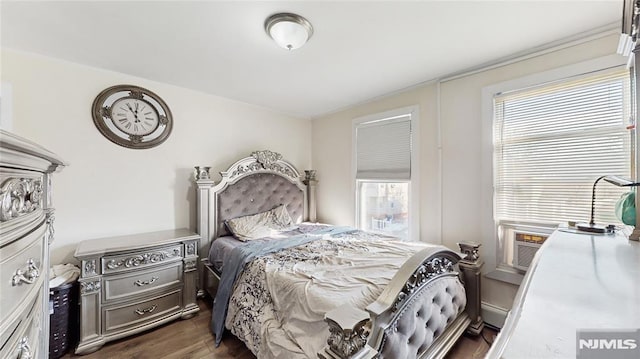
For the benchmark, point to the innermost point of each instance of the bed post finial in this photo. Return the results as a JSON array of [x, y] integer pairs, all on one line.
[[471, 267], [202, 173], [349, 328], [310, 181]]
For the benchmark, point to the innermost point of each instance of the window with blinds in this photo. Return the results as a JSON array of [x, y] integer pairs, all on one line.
[[551, 143], [383, 174]]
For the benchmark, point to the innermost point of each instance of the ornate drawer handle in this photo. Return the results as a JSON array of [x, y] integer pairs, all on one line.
[[144, 311], [140, 283], [28, 276], [24, 351]]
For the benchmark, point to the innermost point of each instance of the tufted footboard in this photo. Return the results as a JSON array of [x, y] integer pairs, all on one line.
[[423, 319], [427, 306]]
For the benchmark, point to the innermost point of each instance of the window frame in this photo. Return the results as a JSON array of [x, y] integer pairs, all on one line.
[[495, 268], [414, 181]]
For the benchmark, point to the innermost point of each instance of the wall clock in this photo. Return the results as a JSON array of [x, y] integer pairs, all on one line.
[[132, 116]]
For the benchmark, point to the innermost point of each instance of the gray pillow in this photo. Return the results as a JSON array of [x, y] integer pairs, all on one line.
[[260, 225]]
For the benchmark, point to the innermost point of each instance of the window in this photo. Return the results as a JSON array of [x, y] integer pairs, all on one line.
[[550, 144], [384, 154], [384, 207]]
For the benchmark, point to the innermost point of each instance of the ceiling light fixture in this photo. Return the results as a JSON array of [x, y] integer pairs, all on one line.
[[289, 31]]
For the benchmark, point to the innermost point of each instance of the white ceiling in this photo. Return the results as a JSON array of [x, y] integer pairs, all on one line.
[[360, 49]]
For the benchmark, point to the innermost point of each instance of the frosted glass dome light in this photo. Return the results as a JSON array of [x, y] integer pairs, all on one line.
[[289, 31]]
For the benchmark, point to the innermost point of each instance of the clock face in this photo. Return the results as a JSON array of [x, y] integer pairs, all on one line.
[[135, 117], [132, 116]]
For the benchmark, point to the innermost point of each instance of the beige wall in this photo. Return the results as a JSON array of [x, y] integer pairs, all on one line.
[[331, 138], [456, 197], [111, 190]]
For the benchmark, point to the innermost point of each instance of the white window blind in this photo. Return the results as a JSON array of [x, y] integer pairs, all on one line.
[[553, 141], [383, 149]]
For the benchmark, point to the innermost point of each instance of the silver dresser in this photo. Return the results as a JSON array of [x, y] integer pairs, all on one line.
[[26, 230], [133, 283]]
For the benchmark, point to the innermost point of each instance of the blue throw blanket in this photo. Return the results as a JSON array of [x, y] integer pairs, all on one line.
[[244, 254]]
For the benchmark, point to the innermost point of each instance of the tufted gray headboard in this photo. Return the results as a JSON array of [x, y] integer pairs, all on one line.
[[252, 184], [258, 192]]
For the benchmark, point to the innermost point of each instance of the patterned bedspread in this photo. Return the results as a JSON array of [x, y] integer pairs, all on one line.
[[278, 303]]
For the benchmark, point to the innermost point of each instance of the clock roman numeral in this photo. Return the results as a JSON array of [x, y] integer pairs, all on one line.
[[122, 120], [149, 123], [147, 113], [128, 125]]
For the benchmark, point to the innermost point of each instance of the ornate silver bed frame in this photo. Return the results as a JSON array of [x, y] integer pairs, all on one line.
[[354, 333]]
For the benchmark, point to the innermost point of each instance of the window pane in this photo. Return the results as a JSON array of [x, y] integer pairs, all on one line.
[[553, 141], [384, 208]]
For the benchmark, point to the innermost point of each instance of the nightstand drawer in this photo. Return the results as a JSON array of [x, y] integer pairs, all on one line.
[[21, 270], [140, 282], [123, 262], [138, 314]]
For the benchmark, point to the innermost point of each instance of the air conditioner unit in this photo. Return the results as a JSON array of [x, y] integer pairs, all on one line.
[[526, 246]]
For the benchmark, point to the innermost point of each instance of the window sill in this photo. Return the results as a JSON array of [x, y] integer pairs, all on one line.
[[506, 274]]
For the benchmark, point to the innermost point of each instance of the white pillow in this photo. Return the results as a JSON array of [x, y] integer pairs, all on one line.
[[281, 217], [260, 225]]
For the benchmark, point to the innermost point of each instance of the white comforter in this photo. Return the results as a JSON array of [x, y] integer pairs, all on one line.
[[278, 304]]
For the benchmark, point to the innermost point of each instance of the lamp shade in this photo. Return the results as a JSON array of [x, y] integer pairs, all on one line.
[[289, 31], [620, 181], [625, 208]]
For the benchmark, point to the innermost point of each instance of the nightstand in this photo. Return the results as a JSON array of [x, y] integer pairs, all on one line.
[[133, 283]]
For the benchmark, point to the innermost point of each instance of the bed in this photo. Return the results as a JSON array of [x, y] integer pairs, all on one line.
[[310, 290]]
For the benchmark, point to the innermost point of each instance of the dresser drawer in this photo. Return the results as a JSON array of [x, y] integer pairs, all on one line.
[[24, 336], [118, 318], [141, 259], [21, 270], [139, 282]]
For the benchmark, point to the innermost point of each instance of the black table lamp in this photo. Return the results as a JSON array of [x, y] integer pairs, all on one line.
[[618, 181]]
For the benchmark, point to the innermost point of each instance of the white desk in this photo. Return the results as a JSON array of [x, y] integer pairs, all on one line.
[[576, 281]]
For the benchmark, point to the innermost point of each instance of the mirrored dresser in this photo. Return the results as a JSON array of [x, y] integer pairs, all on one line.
[[26, 231]]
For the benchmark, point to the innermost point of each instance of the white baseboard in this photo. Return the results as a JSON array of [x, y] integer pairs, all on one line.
[[493, 315]]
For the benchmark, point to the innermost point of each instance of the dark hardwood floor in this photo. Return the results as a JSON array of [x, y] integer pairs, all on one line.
[[192, 339]]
